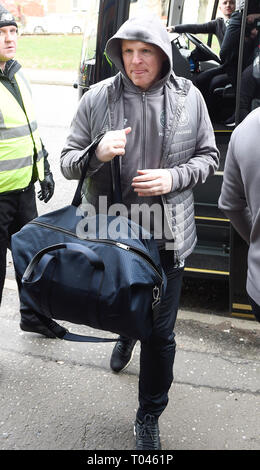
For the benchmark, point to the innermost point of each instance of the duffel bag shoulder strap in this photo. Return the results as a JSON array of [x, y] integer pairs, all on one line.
[[116, 181], [89, 151], [62, 333], [115, 172]]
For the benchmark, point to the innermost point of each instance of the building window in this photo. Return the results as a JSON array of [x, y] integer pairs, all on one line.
[[79, 5], [75, 4]]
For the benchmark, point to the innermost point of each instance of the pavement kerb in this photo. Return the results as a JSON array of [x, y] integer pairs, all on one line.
[[214, 320], [38, 82], [52, 77]]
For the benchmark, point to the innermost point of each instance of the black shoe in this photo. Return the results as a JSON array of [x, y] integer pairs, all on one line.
[[122, 353], [36, 328], [147, 433]]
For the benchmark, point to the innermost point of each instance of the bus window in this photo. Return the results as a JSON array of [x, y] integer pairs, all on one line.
[[88, 50], [240, 56], [194, 12], [159, 7]]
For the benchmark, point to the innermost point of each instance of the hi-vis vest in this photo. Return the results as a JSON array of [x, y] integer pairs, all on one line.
[[19, 140]]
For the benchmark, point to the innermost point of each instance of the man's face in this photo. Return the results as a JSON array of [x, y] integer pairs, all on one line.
[[143, 62], [227, 7], [8, 42]]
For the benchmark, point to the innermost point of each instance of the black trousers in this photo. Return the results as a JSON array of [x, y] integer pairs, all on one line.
[[207, 82], [16, 210], [255, 308], [158, 353], [250, 89]]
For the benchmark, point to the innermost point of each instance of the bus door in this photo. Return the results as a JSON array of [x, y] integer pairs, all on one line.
[[220, 252], [210, 259]]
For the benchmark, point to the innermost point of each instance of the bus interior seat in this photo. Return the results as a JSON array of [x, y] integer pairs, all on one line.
[[181, 66], [226, 92]]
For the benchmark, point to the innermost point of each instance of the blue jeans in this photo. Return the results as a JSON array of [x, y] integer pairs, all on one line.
[[157, 354]]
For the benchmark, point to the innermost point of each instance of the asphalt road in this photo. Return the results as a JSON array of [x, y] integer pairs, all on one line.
[[55, 107]]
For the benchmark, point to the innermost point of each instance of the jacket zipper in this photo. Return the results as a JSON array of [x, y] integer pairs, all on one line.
[[124, 246], [144, 131]]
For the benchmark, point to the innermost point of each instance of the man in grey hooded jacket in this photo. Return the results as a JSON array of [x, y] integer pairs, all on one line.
[[159, 126]]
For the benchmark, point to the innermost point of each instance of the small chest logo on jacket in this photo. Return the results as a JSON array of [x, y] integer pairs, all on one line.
[[162, 119], [184, 118], [184, 123]]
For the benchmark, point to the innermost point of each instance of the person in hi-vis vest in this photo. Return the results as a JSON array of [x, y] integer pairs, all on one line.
[[23, 158]]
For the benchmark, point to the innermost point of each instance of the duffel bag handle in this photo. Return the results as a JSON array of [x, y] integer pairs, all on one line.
[[43, 258], [91, 256]]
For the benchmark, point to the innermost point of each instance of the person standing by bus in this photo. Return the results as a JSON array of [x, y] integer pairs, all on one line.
[[239, 198], [23, 158], [158, 124], [217, 26]]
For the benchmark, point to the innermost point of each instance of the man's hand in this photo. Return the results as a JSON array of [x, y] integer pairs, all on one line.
[[152, 182], [112, 144], [47, 188]]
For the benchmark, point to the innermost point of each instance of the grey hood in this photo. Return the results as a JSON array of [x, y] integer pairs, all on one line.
[[150, 30]]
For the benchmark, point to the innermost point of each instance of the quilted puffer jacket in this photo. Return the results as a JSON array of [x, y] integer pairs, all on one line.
[[171, 129]]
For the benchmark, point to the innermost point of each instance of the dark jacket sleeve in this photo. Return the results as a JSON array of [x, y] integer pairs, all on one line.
[[232, 199], [210, 27], [230, 45]]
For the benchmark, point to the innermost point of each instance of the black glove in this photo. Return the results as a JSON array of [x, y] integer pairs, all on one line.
[[47, 188]]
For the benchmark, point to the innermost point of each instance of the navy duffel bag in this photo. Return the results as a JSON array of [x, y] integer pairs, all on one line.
[[112, 284]]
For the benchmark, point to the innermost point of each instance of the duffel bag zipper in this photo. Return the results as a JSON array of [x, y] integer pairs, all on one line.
[[124, 246]]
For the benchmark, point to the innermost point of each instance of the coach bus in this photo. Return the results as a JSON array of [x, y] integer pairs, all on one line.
[[220, 252]]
